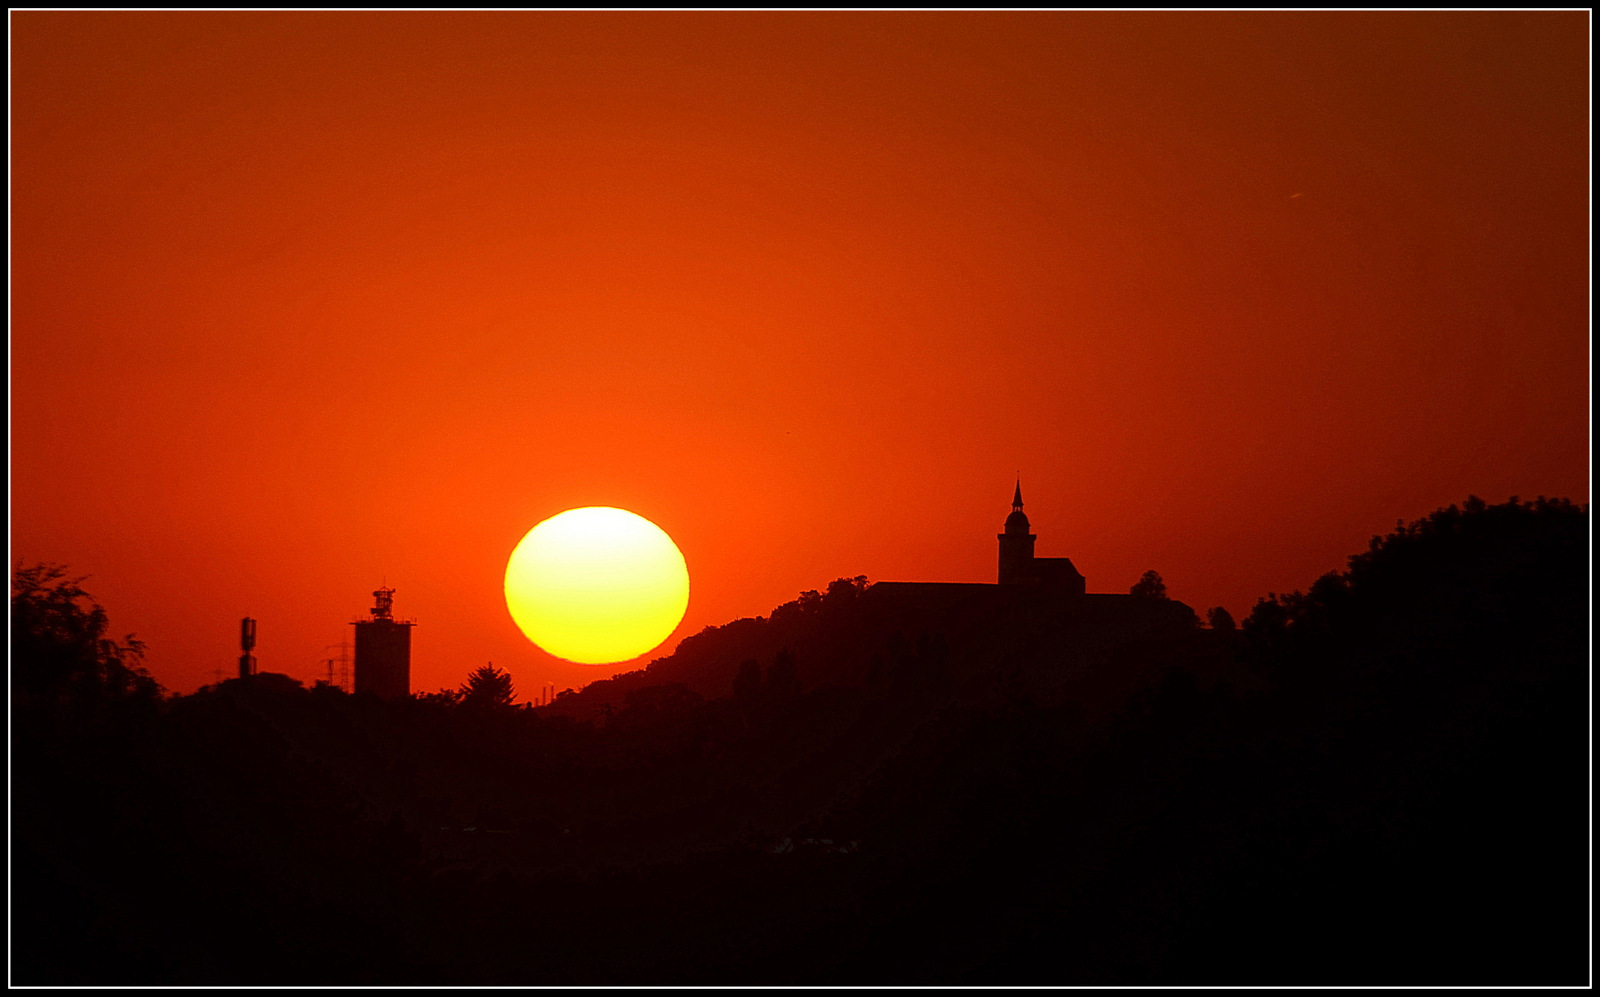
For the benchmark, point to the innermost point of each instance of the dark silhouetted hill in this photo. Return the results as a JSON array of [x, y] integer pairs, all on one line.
[[1381, 780], [949, 639]]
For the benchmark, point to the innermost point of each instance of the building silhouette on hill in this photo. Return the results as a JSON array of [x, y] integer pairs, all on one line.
[[1036, 614], [1018, 566], [1034, 587]]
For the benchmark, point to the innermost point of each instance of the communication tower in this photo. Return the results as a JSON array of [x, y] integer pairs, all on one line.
[[247, 643], [383, 650]]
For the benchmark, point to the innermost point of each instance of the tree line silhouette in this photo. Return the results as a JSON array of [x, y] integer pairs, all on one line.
[[1381, 779]]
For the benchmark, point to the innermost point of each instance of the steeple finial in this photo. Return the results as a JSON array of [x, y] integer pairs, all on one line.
[[1016, 500]]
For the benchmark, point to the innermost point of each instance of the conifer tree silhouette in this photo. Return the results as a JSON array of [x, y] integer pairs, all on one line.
[[488, 687]]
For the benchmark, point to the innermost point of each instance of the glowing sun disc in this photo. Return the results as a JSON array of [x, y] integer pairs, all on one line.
[[597, 585]]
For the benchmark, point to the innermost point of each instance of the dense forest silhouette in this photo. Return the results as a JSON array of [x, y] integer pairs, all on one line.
[[1380, 780]]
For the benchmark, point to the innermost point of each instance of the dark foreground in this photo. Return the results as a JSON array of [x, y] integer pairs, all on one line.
[[1382, 781]]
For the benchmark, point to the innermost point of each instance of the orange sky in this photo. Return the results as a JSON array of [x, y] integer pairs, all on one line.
[[306, 302]]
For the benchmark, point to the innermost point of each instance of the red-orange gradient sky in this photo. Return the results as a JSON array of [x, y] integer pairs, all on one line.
[[306, 302]]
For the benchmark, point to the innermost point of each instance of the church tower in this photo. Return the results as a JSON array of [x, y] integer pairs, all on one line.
[[1016, 545]]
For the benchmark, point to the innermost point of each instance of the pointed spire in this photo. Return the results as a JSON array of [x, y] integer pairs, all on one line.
[[1016, 500]]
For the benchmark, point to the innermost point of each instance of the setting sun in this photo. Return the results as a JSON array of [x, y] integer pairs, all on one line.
[[597, 585]]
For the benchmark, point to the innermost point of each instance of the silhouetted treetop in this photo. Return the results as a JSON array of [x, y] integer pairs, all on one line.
[[488, 687], [783, 678], [1457, 563], [1149, 586], [747, 683], [841, 595], [59, 649]]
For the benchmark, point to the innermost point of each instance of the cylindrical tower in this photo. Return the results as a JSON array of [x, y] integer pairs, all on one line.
[[383, 650]]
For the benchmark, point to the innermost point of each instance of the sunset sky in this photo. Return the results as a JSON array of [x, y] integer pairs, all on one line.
[[304, 303]]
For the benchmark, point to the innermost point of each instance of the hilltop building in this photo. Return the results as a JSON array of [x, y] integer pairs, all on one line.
[[1029, 587], [383, 650], [1036, 622], [1018, 566]]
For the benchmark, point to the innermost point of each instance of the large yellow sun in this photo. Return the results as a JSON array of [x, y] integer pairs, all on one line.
[[597, 585]]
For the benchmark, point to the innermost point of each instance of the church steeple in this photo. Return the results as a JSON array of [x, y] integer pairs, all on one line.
[[1017, 522], [1016, 544]]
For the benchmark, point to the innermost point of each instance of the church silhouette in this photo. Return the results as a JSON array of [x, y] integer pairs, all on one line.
[[1018, 566], [1034, 587]]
